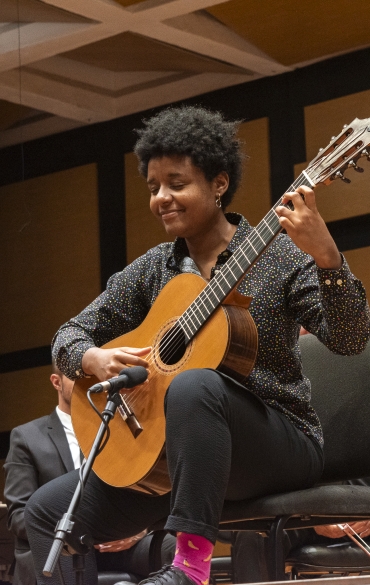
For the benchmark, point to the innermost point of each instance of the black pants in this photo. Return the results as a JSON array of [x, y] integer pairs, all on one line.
[[222, 443]]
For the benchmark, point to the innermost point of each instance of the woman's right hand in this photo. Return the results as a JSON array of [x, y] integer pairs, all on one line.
[[107, 363]]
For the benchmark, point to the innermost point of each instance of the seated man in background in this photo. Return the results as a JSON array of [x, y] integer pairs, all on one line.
[[40, 451]]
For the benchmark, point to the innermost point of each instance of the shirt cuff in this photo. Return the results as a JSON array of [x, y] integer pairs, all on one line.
[[335, 281], [71, 364]]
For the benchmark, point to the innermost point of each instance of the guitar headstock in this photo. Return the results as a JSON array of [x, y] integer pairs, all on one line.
[[342, 153]]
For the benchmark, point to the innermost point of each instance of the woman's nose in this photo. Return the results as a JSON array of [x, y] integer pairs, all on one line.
[[164, 194]]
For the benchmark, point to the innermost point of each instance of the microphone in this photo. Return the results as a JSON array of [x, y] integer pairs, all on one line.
[[128, 378]]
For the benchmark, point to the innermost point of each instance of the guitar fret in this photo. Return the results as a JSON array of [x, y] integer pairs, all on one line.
[[193, 311], [236, 261], [184, 324], [257, 244], [212, 305], [237, 265], [261, 238], [251, 245], [216, 282], [264, 221]]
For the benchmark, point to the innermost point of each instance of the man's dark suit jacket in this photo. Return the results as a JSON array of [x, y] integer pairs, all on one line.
[[39, 452]]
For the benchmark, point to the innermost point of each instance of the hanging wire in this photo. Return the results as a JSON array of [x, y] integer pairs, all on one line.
[[20, 92], [22, 178]]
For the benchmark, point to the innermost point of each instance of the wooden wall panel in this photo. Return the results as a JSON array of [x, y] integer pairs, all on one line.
[[26, 395], [253, 198], [322, 121], [49, 245], [359, 261], [143, 231]]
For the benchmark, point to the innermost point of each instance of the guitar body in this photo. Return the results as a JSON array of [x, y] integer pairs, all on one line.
[[227, 342]]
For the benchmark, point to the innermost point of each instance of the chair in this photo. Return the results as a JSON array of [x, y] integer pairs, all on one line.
[[6, 546], [340, 394], [151, 557]]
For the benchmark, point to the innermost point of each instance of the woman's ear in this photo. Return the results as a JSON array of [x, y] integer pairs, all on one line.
[[222, 182]]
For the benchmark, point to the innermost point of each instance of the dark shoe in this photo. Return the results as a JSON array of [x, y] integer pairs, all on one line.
[[169, 575]]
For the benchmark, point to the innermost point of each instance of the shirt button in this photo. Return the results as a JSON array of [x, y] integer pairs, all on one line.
[[340, 281], [77, 372], [327, 281]]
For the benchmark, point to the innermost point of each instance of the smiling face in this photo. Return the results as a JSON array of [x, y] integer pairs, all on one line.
[[182, 198]]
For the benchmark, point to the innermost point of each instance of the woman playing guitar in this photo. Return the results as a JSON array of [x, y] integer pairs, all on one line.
[[236, 426]]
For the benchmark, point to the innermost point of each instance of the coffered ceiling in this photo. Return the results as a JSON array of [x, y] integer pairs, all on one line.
[[68, 63]]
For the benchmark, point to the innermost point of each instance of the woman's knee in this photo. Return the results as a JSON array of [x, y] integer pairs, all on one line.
[[194, 386]]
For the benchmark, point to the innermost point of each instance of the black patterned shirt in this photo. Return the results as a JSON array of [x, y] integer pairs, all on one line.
[[288, 291]]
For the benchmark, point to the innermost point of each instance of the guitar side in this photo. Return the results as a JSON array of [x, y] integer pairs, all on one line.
[[139, 463]]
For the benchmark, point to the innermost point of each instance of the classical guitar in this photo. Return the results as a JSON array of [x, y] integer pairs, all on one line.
[[193, 324]]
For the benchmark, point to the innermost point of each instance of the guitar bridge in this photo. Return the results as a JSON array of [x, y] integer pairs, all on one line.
[[129, 417]]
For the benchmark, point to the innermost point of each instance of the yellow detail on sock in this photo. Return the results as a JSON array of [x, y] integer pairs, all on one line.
[[177, 551], [186, 563], [205, 582], [191, 545], [207, 559]]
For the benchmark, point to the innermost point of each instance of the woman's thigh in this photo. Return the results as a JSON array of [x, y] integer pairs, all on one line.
[[269, 454]]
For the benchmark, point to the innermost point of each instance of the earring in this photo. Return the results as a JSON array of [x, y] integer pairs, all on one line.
[[218, 200]]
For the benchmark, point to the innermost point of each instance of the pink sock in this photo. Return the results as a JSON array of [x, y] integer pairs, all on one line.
[[193, 556]]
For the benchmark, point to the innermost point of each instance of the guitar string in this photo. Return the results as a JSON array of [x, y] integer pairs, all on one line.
[[258, 232], [253, 238], [132, 397], [239, 254], [173, 344]]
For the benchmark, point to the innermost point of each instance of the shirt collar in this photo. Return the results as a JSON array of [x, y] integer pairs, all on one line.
[[65, 419], [180, 250]]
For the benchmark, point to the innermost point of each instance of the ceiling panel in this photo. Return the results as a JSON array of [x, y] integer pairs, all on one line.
[[66, 63], [34, 11], [128, 2], [131, 52], [293, 32]]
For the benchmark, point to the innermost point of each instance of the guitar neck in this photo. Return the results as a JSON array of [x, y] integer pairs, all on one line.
[[236, 267]]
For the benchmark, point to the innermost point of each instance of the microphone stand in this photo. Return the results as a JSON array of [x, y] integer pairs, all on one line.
[[67, 525]]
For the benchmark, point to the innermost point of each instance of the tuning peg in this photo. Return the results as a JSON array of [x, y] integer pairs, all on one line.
[[366, 153], [333, 138], [339, 175], [355, 167]]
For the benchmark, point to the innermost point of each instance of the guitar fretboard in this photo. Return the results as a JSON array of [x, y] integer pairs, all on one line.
[[235, 268]]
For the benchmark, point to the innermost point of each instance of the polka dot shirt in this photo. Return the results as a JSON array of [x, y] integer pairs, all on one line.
[[288, 290]]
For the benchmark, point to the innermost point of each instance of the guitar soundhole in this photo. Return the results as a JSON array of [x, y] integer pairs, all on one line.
[[172, 346]]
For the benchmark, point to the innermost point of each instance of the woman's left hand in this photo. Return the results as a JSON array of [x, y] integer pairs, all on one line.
[[362, 528], [117, 545], [307, 228]]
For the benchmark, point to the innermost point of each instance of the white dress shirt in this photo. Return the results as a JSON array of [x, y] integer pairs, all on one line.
[[66, 421]]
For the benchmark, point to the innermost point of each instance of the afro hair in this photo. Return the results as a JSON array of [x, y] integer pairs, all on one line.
[[204, 136]]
